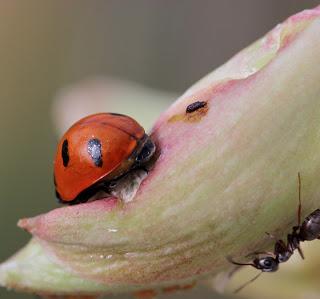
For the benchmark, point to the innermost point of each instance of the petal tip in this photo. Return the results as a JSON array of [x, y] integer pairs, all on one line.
[[26, 224]]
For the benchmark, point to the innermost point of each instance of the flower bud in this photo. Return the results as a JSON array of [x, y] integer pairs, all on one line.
[[229, 152]]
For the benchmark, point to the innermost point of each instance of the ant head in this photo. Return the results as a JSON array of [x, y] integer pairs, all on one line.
[[266, 264]]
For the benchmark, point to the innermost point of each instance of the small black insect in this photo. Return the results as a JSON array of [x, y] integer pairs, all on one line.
[[195, 106], [309, 230]]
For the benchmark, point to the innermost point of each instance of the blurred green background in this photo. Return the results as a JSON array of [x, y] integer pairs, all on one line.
[[46, 45]]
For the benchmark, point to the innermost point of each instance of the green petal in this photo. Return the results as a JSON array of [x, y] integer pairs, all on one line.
[[30, 270]]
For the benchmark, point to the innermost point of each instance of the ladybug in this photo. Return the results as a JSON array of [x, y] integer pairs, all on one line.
[[97, 151]]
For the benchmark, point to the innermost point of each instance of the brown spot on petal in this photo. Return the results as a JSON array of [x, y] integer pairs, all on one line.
[[69, 297], [176, 288], [145, 294], [189, 286], [171, 289], [194, 113]]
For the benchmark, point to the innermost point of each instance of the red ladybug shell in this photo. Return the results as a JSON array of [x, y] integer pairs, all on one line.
[[97, 147]]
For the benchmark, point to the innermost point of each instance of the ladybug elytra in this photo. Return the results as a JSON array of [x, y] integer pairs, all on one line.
[[95, 152]]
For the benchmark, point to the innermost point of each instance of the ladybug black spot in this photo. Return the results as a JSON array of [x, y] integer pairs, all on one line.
[[95, 151], [116, 114], [65, 153], [195, 106]]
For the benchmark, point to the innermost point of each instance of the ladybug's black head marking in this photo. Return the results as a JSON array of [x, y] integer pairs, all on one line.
[[95, 151], [146, 153], [65, 153], [195, 106]]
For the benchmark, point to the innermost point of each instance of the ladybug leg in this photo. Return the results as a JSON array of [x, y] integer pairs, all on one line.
[[145, 169]]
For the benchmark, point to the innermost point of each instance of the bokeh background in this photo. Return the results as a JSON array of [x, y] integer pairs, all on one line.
[[47, 47]]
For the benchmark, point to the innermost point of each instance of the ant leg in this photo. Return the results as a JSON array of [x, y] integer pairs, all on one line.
[[300, 252], [268, 253], [248, 282], [281, 245], [271, 236], [299, 206]]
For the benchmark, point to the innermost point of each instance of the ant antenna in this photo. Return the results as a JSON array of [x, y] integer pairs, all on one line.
[[299, 213], [239, 264], [247, 283], [300, 206], [237, 268]]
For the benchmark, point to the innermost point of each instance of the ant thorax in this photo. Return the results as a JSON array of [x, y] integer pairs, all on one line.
[[281, 251]]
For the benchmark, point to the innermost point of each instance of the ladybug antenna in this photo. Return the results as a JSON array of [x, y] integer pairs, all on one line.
[[299, 206], [247, 283]]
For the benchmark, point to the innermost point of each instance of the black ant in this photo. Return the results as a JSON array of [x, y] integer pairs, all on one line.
[[309, 230]]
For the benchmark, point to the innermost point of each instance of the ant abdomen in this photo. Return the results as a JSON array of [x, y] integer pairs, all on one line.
[[310, 228]]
